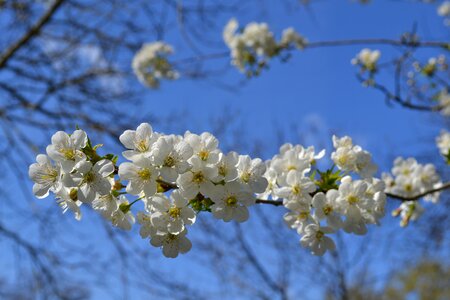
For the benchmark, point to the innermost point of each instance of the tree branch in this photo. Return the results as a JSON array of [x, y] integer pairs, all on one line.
[[32, 32], [418, 196], [271, 202], [390, 195], [335, 43], [381, 41]]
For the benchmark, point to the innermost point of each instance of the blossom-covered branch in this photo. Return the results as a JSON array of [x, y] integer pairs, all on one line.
[[177, 177], [252, 47]]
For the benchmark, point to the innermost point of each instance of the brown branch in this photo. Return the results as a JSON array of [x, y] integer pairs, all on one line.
[[390, 195], [336, 43], [169, 186], [418, 196], [397, 99], [381, 41], [31, 33], [271, 202]]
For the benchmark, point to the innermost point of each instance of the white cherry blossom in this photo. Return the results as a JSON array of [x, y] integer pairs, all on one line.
[[171, 215], [171, 244], [204, 147], [67, 149], [197, 180], [251, 172], [139, 141], [45, 175], [227, 167], [296, 187], [122, 217], [91, 180], [443, 143], [147, 228], [150, 64], [299, 216], [316, 240], [367, 59], [326, 207], [67, 199], [141, 176], [231, 202], [171, 155]]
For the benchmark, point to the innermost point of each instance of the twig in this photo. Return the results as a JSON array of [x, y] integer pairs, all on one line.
[[418, 196], [32, 32]]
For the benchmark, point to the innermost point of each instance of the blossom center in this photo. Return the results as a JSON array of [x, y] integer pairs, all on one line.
[[142, 146], [303, 215], [171, 237], [145, 174], [68, 153], [73, 194], [198, 177], [342, 160], [222, 170], [125, 207], [408, 187], [231, 201], [319, 235], [174, 212], [203, 155], [406, 172], [352, 199], [169, 161], [50, 175], [327, 210], [245, 176], [89, 177], [296, 189]]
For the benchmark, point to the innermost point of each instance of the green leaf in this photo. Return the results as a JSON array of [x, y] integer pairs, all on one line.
[[328, 180]]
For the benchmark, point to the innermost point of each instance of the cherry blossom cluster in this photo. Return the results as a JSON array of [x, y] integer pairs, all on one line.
[[367, 59], [408, 178], [443, 144], [321, 203], [433, 65], [425, 79], [255, 45], [175, 177], [150, 64]]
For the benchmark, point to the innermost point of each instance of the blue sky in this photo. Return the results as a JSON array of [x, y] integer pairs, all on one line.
[[319, 84], [316, 88]]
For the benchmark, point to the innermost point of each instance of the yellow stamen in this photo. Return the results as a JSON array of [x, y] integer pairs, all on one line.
[[203, 155], [352, 199], [231, 201], [169, 161], [174, 212], [198, 177], [246, 176], [144, 174]]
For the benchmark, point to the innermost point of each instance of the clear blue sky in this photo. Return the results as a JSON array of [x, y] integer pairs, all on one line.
[[317, 87]]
